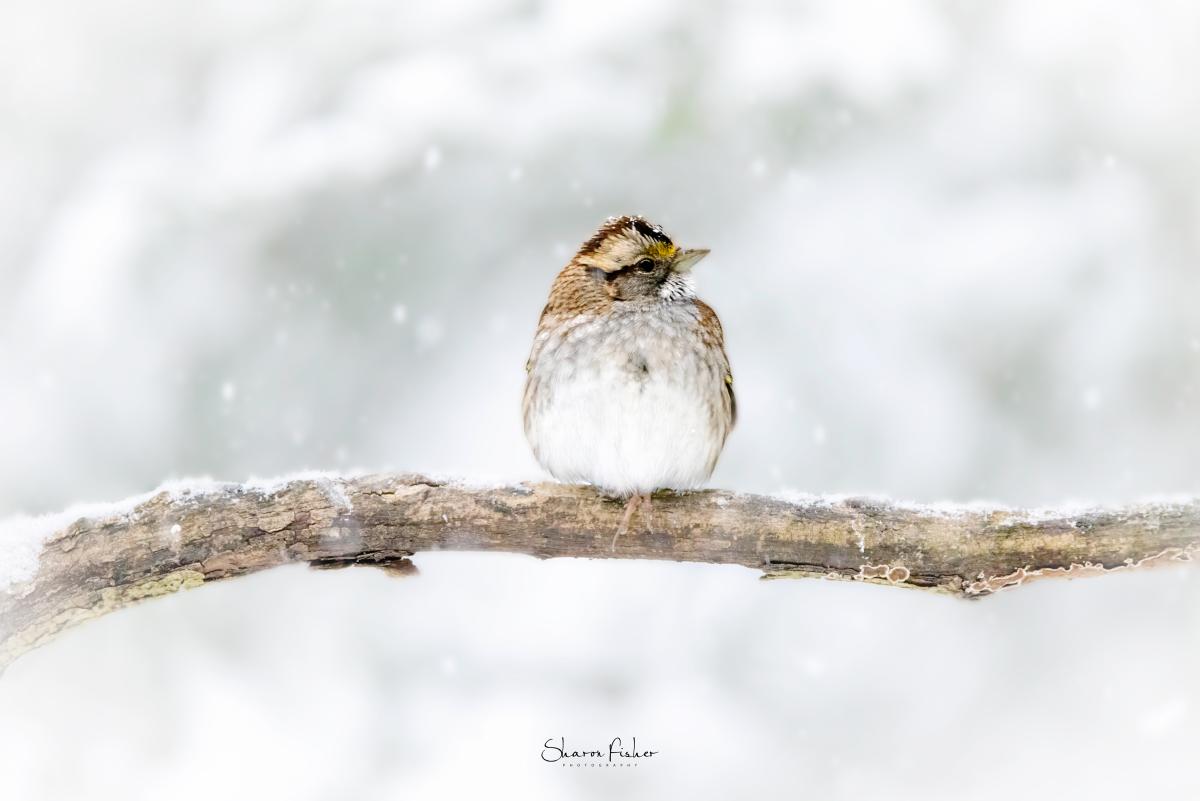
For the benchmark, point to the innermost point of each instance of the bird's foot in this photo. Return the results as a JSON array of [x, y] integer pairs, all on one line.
[[636, 501], [631, 505], [648, 512]]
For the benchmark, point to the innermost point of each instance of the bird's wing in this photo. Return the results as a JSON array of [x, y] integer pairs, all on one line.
[[714, 334]]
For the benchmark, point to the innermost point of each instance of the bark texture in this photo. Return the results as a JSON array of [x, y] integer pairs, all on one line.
[[187, 537]]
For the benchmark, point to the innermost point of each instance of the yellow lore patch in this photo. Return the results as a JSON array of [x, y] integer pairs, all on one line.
[[660, 250]]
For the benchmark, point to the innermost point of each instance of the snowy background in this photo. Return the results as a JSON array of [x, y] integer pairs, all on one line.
[[956, 249]]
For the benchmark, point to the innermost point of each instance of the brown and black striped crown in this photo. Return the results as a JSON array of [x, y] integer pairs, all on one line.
[[618, 225]]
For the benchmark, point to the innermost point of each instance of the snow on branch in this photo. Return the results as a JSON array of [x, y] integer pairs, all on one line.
[[59, 570]]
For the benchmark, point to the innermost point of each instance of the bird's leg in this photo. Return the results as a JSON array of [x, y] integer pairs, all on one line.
[[634, 501], [638, 500], [648, 512]]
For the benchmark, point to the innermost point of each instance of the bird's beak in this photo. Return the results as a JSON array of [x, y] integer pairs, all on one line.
[[686, 259]]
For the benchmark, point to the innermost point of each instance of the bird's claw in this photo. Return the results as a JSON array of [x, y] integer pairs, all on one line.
[[635, 501]]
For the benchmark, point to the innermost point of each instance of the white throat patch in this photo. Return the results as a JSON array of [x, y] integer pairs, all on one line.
[[678, 287]]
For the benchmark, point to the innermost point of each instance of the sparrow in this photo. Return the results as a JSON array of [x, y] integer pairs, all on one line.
[[628, 386]]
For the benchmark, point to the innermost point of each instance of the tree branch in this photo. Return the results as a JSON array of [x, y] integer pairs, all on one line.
[[186, 537]]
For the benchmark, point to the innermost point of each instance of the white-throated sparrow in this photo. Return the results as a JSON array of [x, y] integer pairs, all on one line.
[[629, 387]]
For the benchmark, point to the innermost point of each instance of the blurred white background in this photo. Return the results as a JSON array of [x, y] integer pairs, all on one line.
[[956, 249]]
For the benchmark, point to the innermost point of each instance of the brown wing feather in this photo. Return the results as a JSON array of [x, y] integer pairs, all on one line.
[[710, 325]]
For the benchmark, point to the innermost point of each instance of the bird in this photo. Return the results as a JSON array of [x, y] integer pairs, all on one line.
[[628, 384]]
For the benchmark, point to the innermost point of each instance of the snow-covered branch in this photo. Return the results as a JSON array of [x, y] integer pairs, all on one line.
[[59, 570]]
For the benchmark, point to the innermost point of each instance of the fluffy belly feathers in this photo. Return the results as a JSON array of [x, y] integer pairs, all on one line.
[[630, 409]]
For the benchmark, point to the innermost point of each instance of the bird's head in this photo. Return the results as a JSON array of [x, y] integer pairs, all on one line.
[[630, 259]]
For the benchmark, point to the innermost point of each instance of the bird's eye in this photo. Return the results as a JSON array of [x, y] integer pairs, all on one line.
[[645, 266]]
